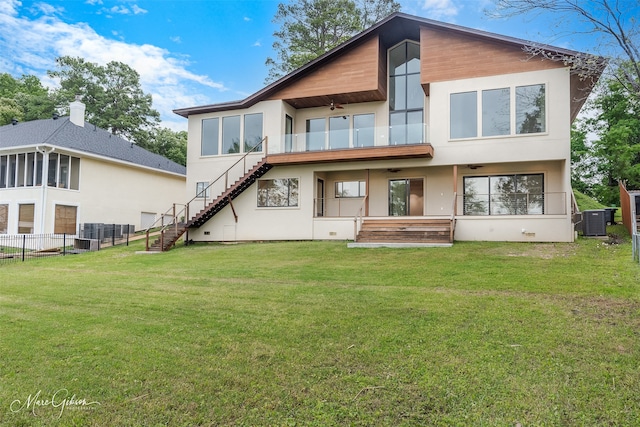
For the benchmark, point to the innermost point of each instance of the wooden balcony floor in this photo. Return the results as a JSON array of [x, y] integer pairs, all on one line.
[[413, 151]]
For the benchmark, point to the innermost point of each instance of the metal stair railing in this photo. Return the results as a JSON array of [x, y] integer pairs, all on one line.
[[184, 212]]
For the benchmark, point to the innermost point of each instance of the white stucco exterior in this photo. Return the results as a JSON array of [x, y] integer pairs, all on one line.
[[441, 184]]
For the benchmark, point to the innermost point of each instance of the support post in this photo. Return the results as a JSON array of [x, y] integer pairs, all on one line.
[[235, 216], [455, 189]]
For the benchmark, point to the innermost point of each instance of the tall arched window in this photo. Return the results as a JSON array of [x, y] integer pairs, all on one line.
[[406, 98]]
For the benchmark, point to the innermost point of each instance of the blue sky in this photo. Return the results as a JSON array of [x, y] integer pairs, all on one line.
[[195, 52]]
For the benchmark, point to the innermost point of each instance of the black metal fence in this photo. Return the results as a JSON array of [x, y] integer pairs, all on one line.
[[91, 237], [22, 247], [106, 234]]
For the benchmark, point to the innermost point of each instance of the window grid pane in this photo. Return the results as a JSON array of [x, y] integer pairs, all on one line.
[[210, 136], [231, 134], [496, 114], [253, 132], [530, 109], [464, 115]]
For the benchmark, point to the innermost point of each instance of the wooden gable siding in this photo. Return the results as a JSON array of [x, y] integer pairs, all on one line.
[[356, 76], [446, 55]]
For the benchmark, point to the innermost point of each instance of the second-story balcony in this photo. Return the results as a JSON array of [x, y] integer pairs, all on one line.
[[374, 143]]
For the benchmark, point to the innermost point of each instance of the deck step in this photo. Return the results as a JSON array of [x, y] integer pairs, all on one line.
[[420, 230]]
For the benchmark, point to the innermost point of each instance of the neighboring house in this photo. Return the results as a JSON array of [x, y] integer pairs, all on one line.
[[59, 173], [407, 130]]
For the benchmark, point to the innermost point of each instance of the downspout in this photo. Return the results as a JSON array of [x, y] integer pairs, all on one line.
[[45, 151]]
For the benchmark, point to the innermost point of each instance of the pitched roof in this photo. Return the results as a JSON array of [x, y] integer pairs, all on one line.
[[394, 28], [88, 139]]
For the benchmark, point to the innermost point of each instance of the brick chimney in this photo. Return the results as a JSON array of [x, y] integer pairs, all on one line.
[[76, 112]]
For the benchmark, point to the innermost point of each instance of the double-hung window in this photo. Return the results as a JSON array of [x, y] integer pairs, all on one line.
[[203, 190]]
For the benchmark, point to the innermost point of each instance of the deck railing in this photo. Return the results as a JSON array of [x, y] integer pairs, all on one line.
[[549, 203], [341, 139], [359, 218]]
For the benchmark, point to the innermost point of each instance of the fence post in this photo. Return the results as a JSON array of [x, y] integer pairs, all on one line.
[[128, 231], [24, 244], [64, 244], [113, 234]]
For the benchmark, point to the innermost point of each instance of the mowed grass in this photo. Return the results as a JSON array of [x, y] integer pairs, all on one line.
[[313, 333]]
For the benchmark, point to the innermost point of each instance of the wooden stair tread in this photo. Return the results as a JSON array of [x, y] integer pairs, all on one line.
[[419, 230]]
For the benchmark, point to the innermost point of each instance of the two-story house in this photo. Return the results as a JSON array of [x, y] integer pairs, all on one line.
[[412, 131], [59, 173]]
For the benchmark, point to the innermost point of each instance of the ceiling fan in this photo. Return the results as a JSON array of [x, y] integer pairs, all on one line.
[[335, 105]]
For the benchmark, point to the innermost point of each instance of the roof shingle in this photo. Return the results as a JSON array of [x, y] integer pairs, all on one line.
[[88, 139]]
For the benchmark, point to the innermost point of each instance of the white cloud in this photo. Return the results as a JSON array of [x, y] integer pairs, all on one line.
[[138, 10], [247, 19], [9, 7], [258, 43], [176, 39], [31, 46], [47, 9], [93, 2], [120, 10], [439, 9], [123, 10]]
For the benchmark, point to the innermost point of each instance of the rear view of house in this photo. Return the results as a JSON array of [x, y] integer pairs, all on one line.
[[412, 131]]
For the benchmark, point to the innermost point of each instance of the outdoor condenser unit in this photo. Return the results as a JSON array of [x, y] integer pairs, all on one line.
[[594, 223]]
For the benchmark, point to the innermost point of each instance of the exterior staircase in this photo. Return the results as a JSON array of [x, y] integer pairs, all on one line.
[[406, 230], [229, 194], [170, 234], [168, 238]]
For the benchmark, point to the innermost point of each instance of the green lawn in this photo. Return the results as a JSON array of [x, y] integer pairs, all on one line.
[[313, 333]]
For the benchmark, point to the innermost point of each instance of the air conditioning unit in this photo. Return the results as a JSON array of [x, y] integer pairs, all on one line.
[[594, 223]]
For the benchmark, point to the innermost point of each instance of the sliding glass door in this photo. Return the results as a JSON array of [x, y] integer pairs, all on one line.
[[406, 197]]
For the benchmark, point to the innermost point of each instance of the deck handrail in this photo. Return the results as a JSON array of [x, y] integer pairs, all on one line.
[[357, 220], [184, 212], [226, 172]]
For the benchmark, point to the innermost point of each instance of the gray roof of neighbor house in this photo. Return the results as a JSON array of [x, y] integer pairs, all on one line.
[[88, 139]]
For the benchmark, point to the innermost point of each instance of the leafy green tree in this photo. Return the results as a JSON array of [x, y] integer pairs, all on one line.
[[310, 28], [616, 148], [9, 110], [583, 172], [167, 143], [112, 94], [24, 98]]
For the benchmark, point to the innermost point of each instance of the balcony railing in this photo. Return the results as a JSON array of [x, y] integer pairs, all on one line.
[[333, 207], [351, 138], [550, 203]]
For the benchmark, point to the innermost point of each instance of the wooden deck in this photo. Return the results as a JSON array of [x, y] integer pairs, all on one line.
[[413, 151]]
